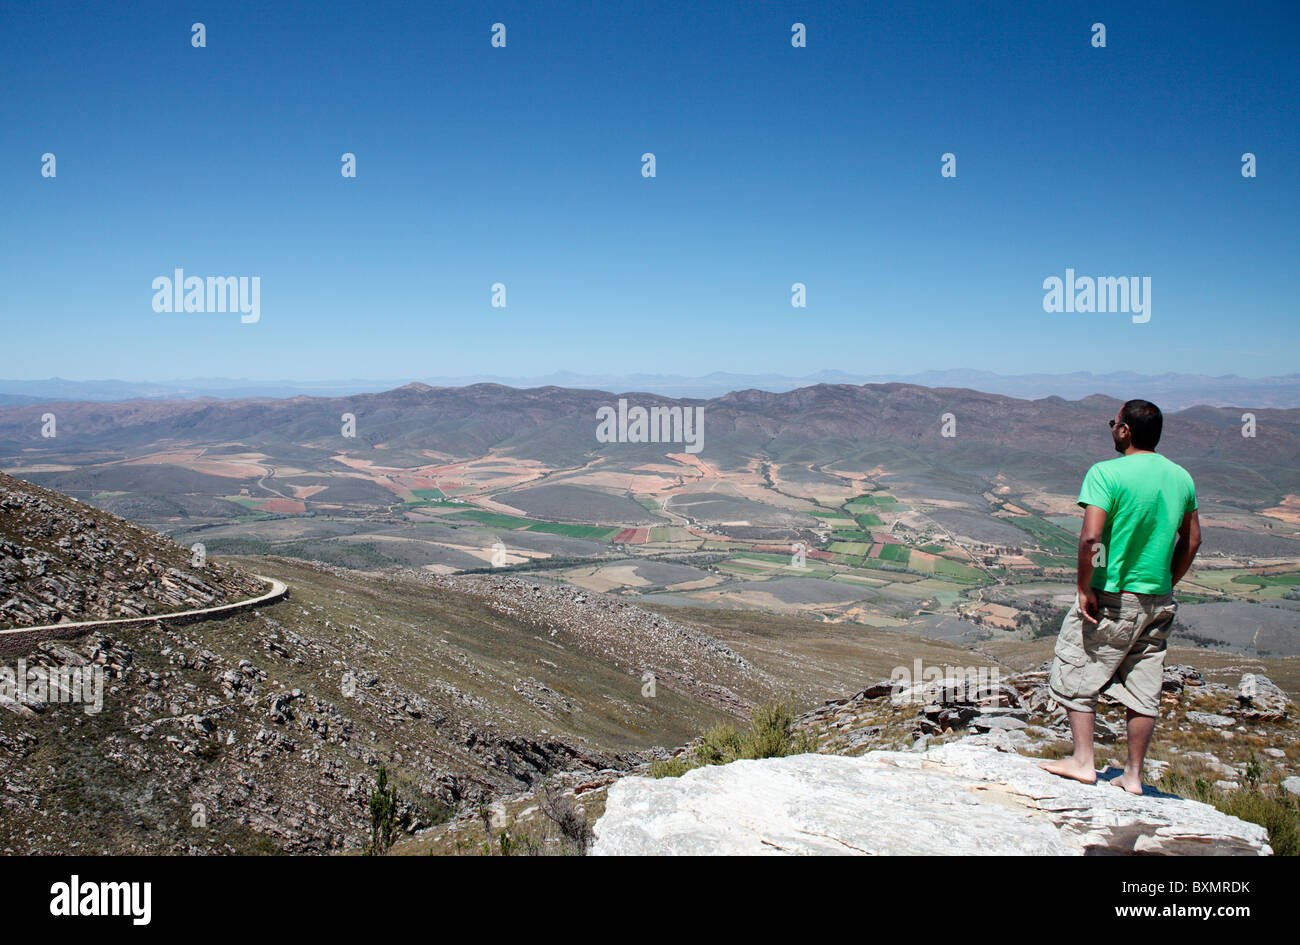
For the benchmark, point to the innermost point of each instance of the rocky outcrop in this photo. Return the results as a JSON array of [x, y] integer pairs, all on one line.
[[1259, 699], [959, 799], [62, 560], [1022, 706]]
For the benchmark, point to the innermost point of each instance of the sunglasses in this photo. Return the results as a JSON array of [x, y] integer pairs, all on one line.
[[1112, 423]]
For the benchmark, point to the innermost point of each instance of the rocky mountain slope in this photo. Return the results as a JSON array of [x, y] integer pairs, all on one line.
[[680, 656], [264, 731], [62, 560]]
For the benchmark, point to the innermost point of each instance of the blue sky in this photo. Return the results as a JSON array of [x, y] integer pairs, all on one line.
[[522, 165]]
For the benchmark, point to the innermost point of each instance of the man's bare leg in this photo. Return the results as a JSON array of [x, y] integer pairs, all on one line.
[[1079, 765], [1140, 728]]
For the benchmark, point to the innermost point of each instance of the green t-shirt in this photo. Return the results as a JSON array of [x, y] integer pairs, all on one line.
[[1145, 497]]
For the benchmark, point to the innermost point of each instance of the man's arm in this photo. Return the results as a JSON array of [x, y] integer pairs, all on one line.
[[1189, 539], [1094, 523]]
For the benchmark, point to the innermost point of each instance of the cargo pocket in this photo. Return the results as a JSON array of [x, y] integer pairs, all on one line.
[[1114, 630], [1161, 625], [1069, 642], [1067, 672]]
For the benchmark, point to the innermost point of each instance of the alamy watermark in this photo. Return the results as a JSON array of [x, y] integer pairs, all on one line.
[[1127, 294], [181, 293], [657, 425], [60, 684], [78, 898], [923, 684]]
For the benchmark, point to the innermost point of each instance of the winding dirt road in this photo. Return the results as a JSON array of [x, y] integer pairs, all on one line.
[[19, 636]]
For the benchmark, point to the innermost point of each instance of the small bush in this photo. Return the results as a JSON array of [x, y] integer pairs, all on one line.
[[564, 813], [672, 768], [516, 840], [1278, 814], [771, 735], [383, 815], [719, 745]]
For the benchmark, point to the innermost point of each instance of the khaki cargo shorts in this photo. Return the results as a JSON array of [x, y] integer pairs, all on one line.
[[1122, 655]]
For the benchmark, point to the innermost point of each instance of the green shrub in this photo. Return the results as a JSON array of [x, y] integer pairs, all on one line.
[[771, 735], [1276, 813], [1279, 816], [383, 815], [672, 768], [719, 745]]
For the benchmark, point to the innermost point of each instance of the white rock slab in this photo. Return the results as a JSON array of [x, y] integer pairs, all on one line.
[[957, 799]]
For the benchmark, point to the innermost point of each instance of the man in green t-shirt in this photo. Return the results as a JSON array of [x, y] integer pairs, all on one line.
[[1140, 534]]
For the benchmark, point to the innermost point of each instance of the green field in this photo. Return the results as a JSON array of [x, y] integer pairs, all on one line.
[[1051, 538], [1070, 523], [593, 532], [899, 553], [811, 568], [1288, 579], [492, 519], [671, 533], [869, 520], [513, 522], [427, 495], [849, 547], [880, 500], [880, 564], [958, 572]]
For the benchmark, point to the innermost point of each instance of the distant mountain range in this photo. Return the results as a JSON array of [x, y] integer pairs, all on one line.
[[897, 426], [1171, 391]]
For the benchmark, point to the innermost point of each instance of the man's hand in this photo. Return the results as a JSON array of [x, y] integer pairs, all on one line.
[[1087, 599], [1094, 523], [1189, 539]]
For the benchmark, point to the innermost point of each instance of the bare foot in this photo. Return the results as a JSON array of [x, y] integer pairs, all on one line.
[[1069, 768], [1131, 783]]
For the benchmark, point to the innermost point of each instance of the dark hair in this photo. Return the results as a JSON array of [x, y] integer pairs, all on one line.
[[1144, 421]]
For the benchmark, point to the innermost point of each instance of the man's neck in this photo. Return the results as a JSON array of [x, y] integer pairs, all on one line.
[[1133, 450]]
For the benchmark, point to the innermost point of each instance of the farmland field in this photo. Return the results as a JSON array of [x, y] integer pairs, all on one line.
[[1051, 538], [900, 553]]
